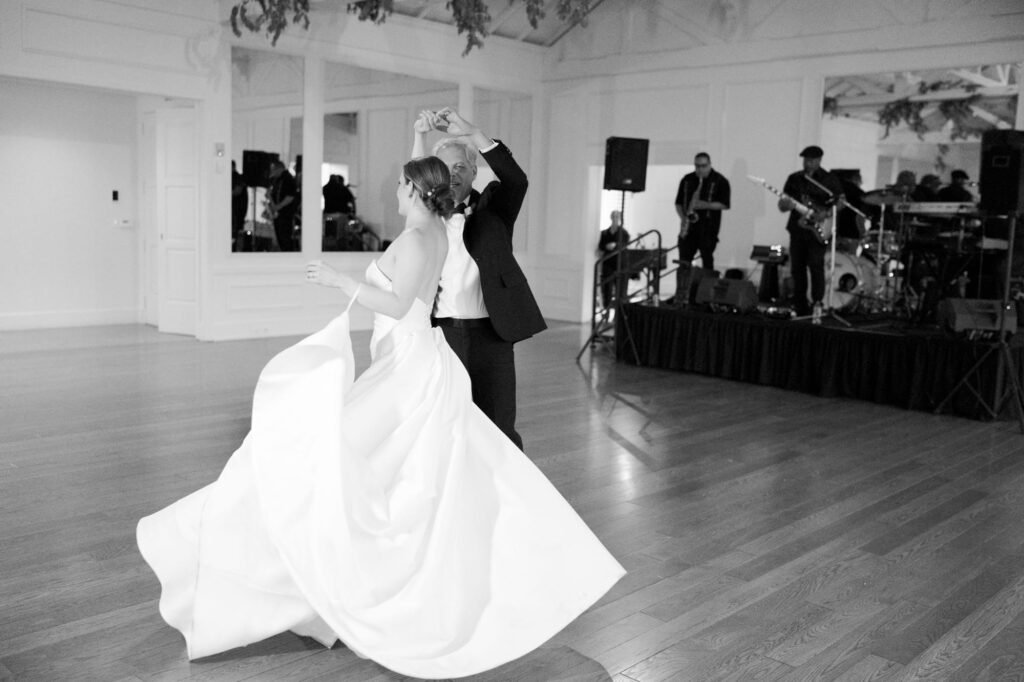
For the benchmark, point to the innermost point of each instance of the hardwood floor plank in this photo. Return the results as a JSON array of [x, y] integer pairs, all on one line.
[[914, 528], [917, 637], [767, 534], [1002, 658], [834, 661], [970, 635]]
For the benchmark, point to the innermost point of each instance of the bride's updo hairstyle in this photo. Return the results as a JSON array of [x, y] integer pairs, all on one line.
[[430, 177]]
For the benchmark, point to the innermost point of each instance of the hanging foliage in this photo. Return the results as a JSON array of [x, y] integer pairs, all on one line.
[[892, 114], [270, 16], [959, 111], [471, 17]]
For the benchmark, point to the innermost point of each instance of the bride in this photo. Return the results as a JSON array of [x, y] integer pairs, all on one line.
[[387, 512]]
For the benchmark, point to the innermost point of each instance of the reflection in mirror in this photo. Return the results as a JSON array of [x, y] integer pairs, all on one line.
[[266, 151], [907, 147], [927, 123], [368, 117], [343, 229]]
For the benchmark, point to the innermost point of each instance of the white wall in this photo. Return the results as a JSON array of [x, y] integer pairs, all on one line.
[[748, 89], [745, 87], [71, 253]]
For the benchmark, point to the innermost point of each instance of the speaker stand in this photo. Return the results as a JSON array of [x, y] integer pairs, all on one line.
[[599, 331], [1007, 380]]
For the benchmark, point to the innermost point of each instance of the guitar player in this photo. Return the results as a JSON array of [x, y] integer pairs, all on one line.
[[809, 235]]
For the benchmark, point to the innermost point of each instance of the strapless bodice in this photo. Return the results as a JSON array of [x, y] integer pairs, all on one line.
[[416, 319]]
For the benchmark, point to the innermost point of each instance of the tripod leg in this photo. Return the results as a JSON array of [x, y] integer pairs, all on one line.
[[964, 381], [1014, 390]]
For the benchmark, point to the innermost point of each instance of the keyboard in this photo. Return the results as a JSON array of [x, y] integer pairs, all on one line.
[[936, 207]]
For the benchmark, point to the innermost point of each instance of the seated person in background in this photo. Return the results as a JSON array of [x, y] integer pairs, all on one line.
[[338, 197], [928, 190], [906, 184], [613, 238], [956, 191]]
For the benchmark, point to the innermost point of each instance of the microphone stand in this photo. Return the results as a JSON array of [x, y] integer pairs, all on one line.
[[829, 310]]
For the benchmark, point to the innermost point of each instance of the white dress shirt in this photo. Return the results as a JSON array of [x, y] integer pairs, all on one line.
[[459, 293]]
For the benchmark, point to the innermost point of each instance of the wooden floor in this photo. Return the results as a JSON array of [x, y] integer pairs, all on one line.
[[768, 535]]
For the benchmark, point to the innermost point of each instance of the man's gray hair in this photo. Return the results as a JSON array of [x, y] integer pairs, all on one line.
[[467, 149]]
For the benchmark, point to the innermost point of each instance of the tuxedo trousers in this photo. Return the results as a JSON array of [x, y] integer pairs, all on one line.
[[490, 362]]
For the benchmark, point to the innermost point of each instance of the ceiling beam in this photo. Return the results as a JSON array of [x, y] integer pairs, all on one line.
[[510, 11], [990, 118], [937, 96], [976, 77]]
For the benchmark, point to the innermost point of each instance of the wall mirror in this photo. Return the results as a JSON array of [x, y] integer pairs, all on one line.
[[267, 90], [928, 122]]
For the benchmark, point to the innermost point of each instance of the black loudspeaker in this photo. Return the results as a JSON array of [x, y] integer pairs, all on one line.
[[256, 167], [625, 164], [974, 314], [738, 294], [688, 279], [1002, 171]]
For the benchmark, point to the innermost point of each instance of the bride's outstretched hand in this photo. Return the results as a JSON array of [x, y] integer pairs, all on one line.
[[318, 272]]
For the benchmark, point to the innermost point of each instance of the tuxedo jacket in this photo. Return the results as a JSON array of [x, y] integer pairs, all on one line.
[[488, 237]]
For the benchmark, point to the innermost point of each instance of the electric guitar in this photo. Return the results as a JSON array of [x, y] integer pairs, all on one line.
[[817, 220]]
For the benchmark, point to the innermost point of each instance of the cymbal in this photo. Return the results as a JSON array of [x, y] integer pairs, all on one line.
[[883, 197]]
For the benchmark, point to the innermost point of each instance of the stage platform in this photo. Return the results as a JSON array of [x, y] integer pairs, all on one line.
[[886, 361]]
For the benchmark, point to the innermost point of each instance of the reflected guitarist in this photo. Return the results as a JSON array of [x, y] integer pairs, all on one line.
[[809, 197], [282, 204]]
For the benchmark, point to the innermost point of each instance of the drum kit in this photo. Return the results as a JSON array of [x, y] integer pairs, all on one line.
[[895, 268]]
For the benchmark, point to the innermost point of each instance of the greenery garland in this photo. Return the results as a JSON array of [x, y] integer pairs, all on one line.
[[471, 16], [959, 111]]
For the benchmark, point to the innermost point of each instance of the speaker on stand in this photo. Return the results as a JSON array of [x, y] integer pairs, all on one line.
[[625, 170], [1002, 197], [625, 164]]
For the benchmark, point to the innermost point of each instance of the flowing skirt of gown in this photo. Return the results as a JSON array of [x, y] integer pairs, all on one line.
[[387, 512]]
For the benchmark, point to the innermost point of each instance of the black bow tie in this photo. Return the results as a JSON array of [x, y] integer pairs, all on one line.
[[461, 208]]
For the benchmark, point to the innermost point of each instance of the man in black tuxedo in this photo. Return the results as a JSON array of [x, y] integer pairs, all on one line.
[[484, 304]]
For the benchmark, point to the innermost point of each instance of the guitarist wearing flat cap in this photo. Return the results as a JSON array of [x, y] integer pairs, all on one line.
[[810, 231]]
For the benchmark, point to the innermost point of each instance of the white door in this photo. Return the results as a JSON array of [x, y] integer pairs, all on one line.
[[177, 218]]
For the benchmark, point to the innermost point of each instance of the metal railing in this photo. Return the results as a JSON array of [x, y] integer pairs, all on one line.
[[634, 258]]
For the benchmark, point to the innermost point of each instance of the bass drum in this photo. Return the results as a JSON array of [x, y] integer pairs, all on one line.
[[854, 279]]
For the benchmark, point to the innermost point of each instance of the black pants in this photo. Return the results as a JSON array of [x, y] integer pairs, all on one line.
[[699, 237], [806, 254], [491, 364], [283, 232]]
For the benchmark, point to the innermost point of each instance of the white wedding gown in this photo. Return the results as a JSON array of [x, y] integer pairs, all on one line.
[[387, 512]]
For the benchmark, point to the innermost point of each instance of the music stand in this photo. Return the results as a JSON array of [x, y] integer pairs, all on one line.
[[1007, 381]]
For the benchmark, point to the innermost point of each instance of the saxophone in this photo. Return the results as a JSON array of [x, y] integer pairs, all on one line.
[[691, 212]]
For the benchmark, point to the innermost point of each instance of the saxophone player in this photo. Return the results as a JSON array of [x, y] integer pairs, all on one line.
[[702, 196]]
